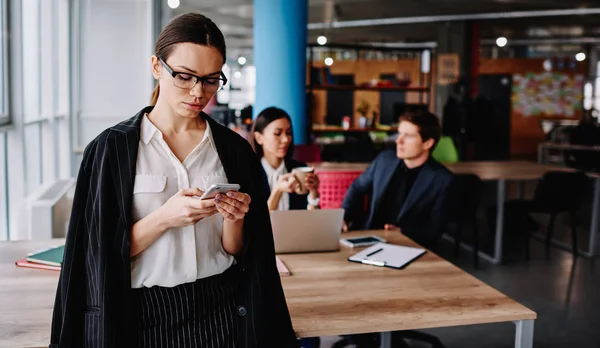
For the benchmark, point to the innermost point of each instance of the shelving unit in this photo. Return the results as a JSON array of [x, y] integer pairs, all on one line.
[[420, 83], [361, 88]]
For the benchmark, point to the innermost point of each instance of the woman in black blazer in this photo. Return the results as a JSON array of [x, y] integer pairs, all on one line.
[[149, 264], [272, 140], [274, 145]]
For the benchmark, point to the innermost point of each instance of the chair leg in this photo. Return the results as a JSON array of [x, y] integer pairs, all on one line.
[[475, 245], [574, 235], [341, 343], [458, 239], [423, 337], [550, 230]]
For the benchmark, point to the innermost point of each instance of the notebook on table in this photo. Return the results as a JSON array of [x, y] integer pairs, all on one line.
[[50, 258], [27, 264], [281, 268], [388, 255]]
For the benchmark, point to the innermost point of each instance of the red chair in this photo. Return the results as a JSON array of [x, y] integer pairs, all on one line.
[[307, 153], [333, 186]]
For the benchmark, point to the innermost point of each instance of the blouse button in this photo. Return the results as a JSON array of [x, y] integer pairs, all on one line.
[[241, 311]]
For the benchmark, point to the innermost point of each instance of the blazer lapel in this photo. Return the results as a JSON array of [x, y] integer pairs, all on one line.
[[385, 178], [125, 151], [419, 188]]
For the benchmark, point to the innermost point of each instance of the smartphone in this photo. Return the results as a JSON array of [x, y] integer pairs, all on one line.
[[213, 190], [361, 241]]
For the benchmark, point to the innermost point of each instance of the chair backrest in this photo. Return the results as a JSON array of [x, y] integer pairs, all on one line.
[[333, 186], [562, 191], [463, 197], [445, 151]]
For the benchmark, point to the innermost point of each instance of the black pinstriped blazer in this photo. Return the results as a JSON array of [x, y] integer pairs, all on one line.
[[93, 307]]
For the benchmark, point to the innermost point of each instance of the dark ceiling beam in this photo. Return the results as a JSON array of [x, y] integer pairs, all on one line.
[[454, 17]]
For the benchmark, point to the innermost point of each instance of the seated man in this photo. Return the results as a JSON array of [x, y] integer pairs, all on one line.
[[407, 188], [408, 191]]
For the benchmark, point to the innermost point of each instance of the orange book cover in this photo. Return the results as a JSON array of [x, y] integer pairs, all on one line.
[[27, 264]]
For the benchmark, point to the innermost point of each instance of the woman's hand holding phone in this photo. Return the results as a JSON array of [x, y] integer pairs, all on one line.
[[233, 205], [184, 208]]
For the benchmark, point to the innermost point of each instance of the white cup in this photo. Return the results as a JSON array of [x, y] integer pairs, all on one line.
[[300, 174]]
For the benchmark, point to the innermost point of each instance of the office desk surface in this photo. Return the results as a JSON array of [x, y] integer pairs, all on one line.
[[328, 295], [26, 296], [486, 170]]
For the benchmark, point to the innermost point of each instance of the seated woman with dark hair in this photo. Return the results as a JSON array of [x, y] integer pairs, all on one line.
[[273, 143]]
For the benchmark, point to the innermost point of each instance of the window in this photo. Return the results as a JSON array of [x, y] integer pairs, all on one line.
[[33, 157], [3, 189], [4, 118]]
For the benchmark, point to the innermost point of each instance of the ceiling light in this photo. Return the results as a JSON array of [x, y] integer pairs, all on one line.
[[328, 61], [173, 3], [321, 40], [501, 41], [242, 60], [580, 56]]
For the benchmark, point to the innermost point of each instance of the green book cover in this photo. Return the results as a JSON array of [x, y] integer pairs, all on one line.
[[52, 256]]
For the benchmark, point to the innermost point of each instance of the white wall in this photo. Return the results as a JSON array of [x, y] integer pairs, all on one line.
[[115, 41]]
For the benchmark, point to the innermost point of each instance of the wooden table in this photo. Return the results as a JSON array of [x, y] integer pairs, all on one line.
[[26, 297], [544, 147], [501, 172], [326, 294]]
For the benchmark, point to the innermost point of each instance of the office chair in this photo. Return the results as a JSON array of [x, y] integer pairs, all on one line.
[[463, 202], [557, 192]]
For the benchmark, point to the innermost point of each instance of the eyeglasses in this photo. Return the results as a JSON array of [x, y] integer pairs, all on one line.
[[188, 81]]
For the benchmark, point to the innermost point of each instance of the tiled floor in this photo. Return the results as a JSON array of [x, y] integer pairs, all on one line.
[[566, 296]]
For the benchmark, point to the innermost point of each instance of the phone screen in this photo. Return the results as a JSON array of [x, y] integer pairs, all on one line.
[[219, 188]]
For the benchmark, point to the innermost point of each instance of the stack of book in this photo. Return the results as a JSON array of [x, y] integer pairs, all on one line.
[[50, 259]]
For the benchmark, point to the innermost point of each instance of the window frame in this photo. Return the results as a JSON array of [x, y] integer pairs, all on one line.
[[4, 62]]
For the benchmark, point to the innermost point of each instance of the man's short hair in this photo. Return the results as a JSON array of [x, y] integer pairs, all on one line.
[[429, 124]]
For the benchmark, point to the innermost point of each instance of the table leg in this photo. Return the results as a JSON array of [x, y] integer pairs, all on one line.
[[499, 221], [594, 223], [386, 340], [521, 190], [524, 334]]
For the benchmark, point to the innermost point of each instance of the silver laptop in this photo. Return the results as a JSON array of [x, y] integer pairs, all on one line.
[[297, 231]]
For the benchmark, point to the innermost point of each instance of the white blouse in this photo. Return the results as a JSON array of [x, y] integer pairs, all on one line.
[[272, 176], [184, 254]]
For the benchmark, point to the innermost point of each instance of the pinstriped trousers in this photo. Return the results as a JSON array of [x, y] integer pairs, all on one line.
[[198, 314]]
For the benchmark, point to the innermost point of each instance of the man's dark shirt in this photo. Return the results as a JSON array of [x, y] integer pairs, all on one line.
[[395, 195]]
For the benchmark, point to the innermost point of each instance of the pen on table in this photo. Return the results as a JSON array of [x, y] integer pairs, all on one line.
[[374, 252]]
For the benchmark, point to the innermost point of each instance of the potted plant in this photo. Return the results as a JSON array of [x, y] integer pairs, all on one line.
[[363, 110]]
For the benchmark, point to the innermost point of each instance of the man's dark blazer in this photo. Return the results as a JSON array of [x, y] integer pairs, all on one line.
[[297, 202], [422, 217], [93, 300]]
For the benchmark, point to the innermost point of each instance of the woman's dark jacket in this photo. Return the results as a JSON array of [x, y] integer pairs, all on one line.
[[93, 301]]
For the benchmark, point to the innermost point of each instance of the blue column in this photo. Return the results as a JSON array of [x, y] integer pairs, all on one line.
[[280, 59]]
